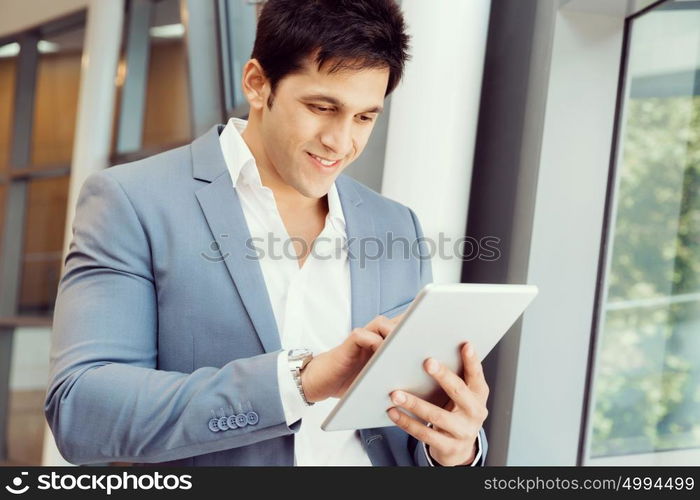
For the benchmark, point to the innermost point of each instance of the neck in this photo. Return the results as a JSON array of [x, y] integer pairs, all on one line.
[[286, 196]]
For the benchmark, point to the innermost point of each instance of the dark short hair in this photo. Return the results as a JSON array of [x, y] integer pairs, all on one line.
[[347, 34]]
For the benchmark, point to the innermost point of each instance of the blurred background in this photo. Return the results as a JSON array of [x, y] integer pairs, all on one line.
[[567, 129]]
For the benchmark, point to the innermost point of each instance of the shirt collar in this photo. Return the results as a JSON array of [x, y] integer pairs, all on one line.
[[241, 165], [335, 210], [239, 160]]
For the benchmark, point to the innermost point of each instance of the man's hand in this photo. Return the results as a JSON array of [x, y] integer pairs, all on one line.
[[330, 373], [452, 439]]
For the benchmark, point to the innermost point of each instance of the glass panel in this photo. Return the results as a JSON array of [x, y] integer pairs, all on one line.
[[3, 199], [167, 116], [56, 101], [8, 64], [241, 23], [647, 372], [43, 244]]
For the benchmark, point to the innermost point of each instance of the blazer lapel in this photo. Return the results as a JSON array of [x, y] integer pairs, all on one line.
[[222, 209], [224, 215], [362, 240], [364, 276]]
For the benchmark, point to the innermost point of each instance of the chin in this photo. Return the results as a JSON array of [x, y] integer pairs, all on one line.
[[308, 185], [314, 190]]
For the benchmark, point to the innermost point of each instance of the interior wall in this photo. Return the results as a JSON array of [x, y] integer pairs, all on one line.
[[506, 164], [563, 259]]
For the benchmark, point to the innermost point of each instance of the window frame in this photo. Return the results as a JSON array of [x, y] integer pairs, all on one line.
[[540, 183], [205, 81], [681, 456]]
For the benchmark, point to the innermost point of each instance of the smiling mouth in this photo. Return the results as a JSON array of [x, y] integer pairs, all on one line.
[[323, 162]]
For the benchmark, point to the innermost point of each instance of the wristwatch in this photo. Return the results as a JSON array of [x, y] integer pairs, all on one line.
[[298, 359]]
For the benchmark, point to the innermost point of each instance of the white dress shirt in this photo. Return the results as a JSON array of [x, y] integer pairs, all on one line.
[[311, 304]]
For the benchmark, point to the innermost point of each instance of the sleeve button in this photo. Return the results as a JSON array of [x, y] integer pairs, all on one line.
[[241, 420], [223, 423], [231, 422], [214, 425]]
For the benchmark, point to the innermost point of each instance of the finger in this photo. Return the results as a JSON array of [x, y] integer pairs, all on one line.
[[474, 372], [452, 423], [455, 388], [397, 319], [381, 325], [422, 432], [366, 338]]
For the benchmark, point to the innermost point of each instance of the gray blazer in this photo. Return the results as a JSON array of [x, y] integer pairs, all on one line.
[[163, 320]]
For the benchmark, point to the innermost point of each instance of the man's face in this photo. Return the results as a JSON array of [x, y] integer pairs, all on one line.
[[318, 118]]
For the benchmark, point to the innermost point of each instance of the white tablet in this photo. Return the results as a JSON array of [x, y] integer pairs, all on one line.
[[436, 324]]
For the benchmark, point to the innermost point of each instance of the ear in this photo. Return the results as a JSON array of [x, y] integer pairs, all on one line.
[[256, 86]]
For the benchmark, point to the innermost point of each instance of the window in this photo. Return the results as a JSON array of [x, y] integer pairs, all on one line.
[[56, 98], [43, 244], [41, 66], [8, 63], [167, 118], [239, 20], [46, 185], [153, 104], [646, 391], [3, 197]]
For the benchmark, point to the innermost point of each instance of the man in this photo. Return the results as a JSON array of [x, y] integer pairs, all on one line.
[[173, 343]]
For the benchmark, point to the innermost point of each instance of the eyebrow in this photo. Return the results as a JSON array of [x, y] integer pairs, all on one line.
[[335, 102]]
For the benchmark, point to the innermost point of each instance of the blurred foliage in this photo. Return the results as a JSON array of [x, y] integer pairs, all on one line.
[[647, 387]]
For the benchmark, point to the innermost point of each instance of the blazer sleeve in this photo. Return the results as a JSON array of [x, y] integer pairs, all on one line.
[[106, 401], [417, 451]]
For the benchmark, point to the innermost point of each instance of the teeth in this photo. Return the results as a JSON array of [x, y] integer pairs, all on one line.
[[327, 163]]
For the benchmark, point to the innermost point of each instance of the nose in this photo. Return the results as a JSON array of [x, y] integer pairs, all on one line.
[[337, 138]]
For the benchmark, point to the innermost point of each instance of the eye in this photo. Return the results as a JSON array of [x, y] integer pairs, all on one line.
[[320, 109], [365, 118]]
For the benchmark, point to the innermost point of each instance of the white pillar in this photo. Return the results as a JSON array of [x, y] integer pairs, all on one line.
[[93, 131], [433, 119]]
